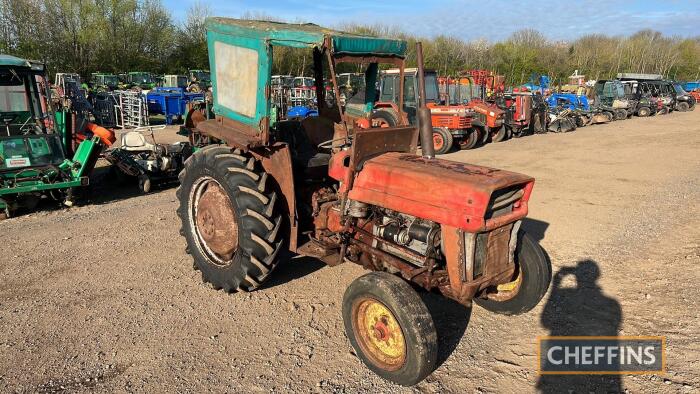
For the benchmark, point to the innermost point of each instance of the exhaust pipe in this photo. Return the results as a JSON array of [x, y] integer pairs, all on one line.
[[425, 124]]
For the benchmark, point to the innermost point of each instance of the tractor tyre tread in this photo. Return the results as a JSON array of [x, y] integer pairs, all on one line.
[[413, 317], [387, 115], [448, 139], [255, 205]]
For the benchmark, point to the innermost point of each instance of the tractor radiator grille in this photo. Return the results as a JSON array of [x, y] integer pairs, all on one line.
[[502, 201], [452, 121]]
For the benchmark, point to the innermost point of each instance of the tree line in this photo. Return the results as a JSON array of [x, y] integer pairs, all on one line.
[[86, 36]]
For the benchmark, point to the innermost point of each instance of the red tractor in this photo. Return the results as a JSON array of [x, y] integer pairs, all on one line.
[[452, 124], [526, 112], [322, 187], [490, 117]]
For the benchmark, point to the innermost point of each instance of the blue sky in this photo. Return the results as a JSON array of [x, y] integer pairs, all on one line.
[[468, 19]]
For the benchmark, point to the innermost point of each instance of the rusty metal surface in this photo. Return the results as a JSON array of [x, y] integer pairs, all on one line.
[[458, 196], [369, 143], [232, 133], [497, 252], [277, 161], [497, 267], [425, 128], [216, 221]]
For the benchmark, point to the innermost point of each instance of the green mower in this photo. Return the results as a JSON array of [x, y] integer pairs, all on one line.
[[33, 165]]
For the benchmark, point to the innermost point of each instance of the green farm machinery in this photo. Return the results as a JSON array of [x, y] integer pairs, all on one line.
[[34, 142], [100, 82], [140, 79]]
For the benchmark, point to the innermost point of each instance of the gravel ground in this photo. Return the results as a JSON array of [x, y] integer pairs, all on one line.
[[102, 297]]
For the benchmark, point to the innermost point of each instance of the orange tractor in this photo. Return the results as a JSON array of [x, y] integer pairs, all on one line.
[[491, 119], [324, 187], [452, 124]]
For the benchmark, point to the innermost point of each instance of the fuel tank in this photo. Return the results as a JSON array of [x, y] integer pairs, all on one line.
[[446, 192]]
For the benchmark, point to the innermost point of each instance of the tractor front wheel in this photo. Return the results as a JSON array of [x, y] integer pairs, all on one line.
[[682, 106], [527, 287], [390, 328], [442, 140], [643, 112], [230, 218]]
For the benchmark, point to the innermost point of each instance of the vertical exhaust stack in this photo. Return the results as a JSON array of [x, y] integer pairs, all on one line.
[[425, 124]]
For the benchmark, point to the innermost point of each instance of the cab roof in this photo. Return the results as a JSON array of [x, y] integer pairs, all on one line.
[[308, 35], [9, 60], [13, 61]]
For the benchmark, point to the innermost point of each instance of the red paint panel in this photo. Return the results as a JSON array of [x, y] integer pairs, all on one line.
[[446, 192]]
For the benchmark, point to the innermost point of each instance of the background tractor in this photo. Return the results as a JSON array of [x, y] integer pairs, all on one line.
[[34, 141], [452, 124], [140, 80], [489, 118], [198, 80], [526, 112], [100, 82], [327, 188]]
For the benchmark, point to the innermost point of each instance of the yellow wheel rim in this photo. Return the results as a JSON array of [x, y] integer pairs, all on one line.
[[510, 286], [379, 334]]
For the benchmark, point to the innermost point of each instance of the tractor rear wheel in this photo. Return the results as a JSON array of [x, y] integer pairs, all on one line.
[[383, 118], [643, 112], [390, 328], [230, 218], [531, 281], [499, 135], [470, 141], [442, 140], [682, 106]]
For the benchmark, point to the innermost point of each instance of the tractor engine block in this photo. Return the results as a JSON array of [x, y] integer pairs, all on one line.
[[421, 236]]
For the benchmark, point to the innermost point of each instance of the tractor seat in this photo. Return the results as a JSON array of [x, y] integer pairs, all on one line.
[[303, 139], [135, 141]]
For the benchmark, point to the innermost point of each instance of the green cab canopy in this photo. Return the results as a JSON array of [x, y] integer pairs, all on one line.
[[9, 60], [308, 35]]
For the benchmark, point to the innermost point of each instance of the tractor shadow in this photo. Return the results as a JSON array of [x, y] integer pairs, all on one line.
[[291, 268], [451, 320], [107, 186], [536, 228]]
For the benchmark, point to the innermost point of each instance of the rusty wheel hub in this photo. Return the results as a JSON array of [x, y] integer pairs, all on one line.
[[215, 221]]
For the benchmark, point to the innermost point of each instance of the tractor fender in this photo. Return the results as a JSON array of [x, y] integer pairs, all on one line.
[[402, 116], [277, 162], [387, 105]]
